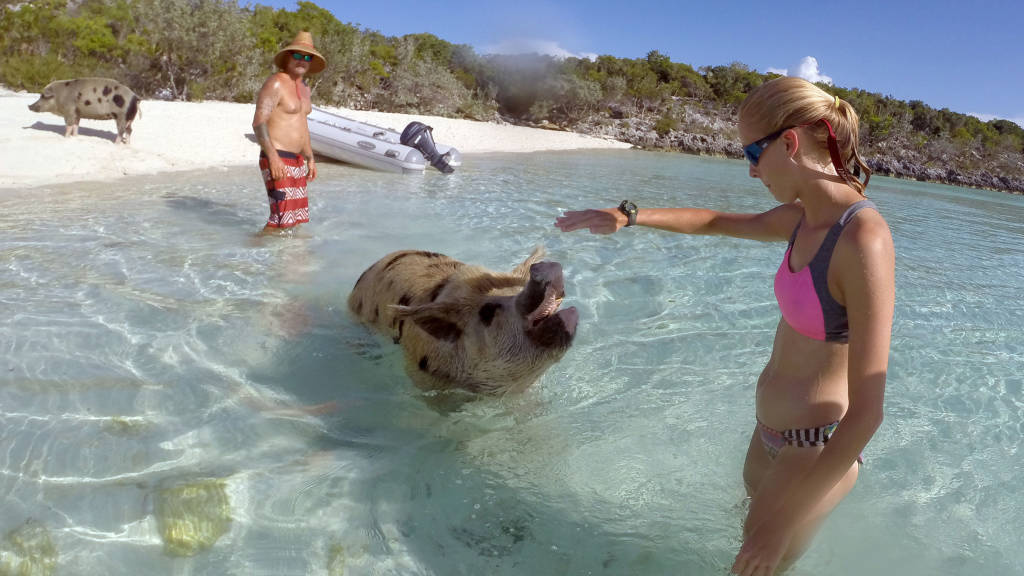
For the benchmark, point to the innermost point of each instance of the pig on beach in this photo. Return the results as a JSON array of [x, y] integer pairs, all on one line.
[[92, 98], [465, 327]]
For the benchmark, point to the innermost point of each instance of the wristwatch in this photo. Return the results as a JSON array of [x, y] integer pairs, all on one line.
[[629, 209]]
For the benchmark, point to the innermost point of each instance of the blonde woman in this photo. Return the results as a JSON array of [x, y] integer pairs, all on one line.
[[819, 399]]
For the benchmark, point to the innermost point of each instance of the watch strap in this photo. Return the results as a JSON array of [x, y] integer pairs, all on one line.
[[629, 209]]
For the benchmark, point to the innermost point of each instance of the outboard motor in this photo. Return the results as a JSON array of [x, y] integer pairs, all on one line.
[[418, 135]]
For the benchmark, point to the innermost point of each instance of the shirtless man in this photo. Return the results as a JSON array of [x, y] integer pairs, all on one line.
[[286, 156]]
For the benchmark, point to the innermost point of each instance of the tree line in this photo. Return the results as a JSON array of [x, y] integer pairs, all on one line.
[[220, 50]]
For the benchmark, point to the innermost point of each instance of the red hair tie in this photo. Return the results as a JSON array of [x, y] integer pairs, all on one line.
[[833, 151]]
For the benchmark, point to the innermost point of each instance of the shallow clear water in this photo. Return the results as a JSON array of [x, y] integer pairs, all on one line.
[[178, 395]]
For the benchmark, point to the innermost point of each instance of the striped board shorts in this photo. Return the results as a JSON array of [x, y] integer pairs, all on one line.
[[289, 205]]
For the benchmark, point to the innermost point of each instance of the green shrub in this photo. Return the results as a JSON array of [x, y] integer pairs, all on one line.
[[33, 72], [478, 109], [962, 135], [666, 124]]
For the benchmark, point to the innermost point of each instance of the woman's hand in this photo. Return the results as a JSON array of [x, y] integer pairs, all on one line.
[[762, 550], [605, 221]]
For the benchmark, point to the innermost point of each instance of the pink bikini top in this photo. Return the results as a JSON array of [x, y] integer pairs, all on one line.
[[804, 297]]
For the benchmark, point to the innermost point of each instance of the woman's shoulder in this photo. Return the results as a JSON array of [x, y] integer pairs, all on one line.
[[785, 217], [789, 209], [865, 263], [866, 237], [868, 226], [789, 213]]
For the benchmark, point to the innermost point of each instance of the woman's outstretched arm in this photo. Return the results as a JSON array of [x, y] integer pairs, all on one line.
[[775, 224]]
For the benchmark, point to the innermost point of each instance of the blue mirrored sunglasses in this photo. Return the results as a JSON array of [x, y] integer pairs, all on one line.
[[304, 57], [754, 150]]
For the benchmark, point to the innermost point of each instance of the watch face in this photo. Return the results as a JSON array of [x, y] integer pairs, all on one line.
[[629, 209]]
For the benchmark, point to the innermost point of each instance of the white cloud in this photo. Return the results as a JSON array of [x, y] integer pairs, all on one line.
[[807, 69], [986, 117], [534, 46]]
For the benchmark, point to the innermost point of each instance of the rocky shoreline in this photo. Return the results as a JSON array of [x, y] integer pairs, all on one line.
[[983, 179], [707, 132]]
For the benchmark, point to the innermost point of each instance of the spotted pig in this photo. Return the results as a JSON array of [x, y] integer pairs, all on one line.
[[466, 327], [92, 98]]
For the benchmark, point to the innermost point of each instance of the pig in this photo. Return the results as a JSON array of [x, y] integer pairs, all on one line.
[[93, 98], [464, 327]]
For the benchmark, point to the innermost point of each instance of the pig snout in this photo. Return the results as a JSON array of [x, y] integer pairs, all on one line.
[[547, 326], [555, 332], [570, 317], [45, 103], [546, 272], [545, 288]]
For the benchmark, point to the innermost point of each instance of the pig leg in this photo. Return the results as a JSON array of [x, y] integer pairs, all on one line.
[[71, 124], [123, 130]]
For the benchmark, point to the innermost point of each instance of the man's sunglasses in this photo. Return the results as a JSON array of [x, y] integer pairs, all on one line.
[[754, 150], [303, 57]]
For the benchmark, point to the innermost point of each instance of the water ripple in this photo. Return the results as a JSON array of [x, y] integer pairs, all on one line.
[[158, 354]]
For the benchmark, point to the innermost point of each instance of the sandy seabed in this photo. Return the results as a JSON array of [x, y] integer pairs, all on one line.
[[172, 136]]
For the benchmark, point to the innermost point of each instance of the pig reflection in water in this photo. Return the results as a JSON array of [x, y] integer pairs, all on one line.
[[466, 327]]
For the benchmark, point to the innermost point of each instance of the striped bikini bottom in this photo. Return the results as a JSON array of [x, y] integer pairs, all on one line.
[[775, 440]]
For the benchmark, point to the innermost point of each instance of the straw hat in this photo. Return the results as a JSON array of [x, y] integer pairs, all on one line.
[[303, 42]]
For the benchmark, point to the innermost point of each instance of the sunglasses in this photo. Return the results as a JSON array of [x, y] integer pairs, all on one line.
[[754, 150], [303, 57]]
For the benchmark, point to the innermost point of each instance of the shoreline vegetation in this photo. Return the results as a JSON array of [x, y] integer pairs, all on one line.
[[217, 51]]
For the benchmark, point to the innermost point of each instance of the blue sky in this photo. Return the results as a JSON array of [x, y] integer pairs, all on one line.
[[965, 56]]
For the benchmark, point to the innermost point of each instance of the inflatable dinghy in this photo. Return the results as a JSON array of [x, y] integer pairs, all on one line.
[[379, 148]]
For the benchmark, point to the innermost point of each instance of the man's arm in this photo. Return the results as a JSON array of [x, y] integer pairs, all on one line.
[[266, 103], [307, 151], [307, 146]]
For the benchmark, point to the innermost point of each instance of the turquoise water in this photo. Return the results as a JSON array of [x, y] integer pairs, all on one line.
[[180, 396]]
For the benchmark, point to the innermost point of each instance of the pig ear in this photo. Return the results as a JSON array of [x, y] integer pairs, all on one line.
[[435, 319], [523, 270]]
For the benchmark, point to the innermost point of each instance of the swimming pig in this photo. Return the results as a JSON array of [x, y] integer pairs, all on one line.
[[463, 326], [92, 98]]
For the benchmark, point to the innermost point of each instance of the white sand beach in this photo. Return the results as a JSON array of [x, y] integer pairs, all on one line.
[[171, 136]]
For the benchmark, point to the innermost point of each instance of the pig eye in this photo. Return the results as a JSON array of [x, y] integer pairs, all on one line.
[[487, 312]]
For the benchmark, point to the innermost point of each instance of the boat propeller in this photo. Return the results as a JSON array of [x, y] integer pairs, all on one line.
[[418, 135]]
